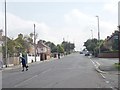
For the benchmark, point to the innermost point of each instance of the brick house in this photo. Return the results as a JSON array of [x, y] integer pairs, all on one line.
[[109, 49], [43, 50], [110, 41]]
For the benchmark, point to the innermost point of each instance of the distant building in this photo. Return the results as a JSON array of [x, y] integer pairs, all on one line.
[[43, 50], [111, 42]]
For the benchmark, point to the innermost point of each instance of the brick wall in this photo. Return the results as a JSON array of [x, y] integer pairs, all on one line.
[[108, 55]]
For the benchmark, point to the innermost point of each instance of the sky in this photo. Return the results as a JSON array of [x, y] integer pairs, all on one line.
[[73, 20]]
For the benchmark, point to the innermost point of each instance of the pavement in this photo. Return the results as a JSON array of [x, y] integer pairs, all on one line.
[[106, 68], [106, 64], [111, 69]]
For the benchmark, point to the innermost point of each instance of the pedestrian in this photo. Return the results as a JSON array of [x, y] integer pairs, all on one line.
[[1, 64], [24, 63], [58, 55]]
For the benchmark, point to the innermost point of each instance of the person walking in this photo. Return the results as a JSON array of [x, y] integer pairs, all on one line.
[[1, 64], [24, 63], [58, 55]]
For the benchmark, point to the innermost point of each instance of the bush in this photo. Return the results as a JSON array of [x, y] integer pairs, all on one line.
[[117, 65]]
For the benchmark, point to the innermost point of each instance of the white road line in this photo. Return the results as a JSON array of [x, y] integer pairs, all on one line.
[[97, 63], [25, 81], [31, 78], [97, 68], [45, 71], [93, 63], [102, 75]]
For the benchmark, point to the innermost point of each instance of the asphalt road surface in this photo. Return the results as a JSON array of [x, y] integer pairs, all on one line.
[[72, 71]]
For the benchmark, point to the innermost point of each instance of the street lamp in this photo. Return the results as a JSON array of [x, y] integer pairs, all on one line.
[[5, 36], [98, 32], [34, 43]]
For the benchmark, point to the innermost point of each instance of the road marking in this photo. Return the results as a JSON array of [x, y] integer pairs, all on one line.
[[30, 78], [100, 72], [25, 81], [102, 75], [93, 63], [107, 81], [45, 71], [97, 63]]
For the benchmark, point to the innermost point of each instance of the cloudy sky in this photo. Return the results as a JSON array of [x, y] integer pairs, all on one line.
[[72, 20]]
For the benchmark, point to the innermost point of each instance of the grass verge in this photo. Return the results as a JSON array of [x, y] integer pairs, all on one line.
[[117, 65]]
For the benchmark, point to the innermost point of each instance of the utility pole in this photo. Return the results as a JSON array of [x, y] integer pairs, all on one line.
[[35, 42], [98, 32], [5, 37], [119, 44]]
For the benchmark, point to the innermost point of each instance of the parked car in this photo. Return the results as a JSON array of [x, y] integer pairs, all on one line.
[[87, 54], [81, 52]]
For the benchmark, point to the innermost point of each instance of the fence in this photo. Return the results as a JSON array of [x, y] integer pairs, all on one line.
[[31, 58]]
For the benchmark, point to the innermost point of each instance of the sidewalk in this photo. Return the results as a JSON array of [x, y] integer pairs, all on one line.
[[107, 69], [108, 65]]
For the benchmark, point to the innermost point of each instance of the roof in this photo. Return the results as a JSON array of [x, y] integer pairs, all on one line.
[[116, 32], [42, 45]]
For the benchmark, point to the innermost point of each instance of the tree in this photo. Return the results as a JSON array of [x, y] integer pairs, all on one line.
[[24, 43], [91, 44], [60, 49], [68, 47], [52, 46]]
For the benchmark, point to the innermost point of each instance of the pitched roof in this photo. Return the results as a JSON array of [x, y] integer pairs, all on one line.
[[42, 45]]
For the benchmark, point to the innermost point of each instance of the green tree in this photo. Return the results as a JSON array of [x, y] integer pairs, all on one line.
[[60, 49], [91, 44], [52, 46], [68, 47], [24, 43]]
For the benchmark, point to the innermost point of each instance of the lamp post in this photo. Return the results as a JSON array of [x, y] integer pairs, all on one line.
[[98, 31], [119, 43], [34, 42], [5, 37]]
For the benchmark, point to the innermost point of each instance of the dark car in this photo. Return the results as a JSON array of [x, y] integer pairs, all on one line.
[[81, 52], [87, 54]]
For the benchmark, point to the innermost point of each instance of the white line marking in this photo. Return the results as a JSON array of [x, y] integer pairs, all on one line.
[[102, 75], [31, 78], [25, 81], [107, 81], [93, 62], [100, 72], [97, 63], [45, 71]]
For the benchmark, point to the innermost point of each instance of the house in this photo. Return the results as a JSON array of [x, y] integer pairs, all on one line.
[[31, 54], [109, 49], [111, 42], [43, 50]]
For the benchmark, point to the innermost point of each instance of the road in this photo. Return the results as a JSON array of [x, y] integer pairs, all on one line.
[[72, 71]]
